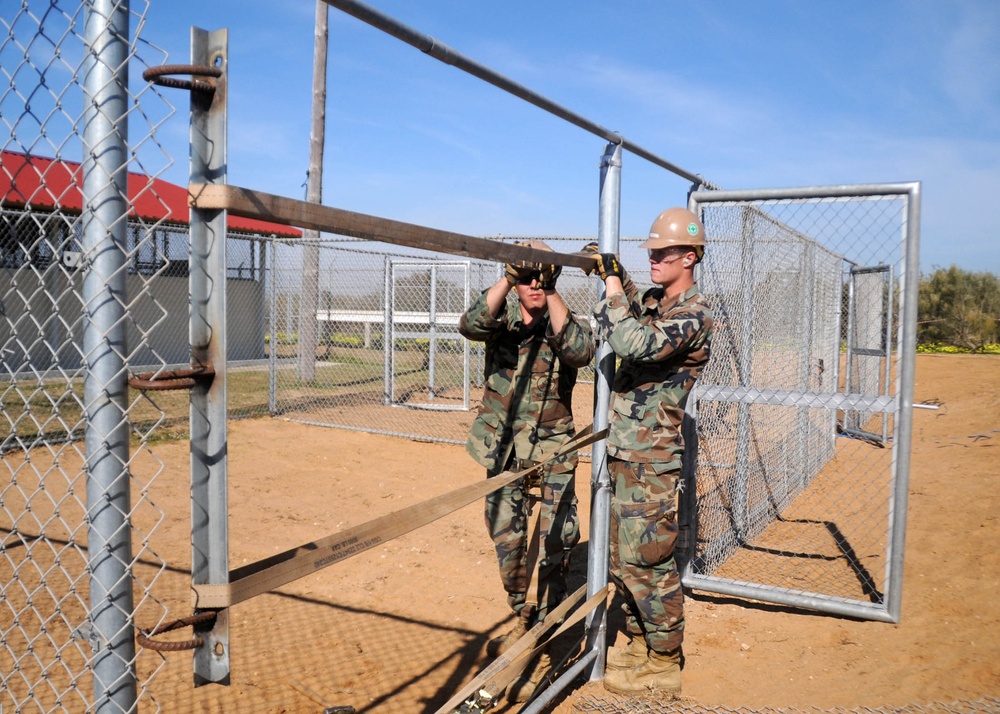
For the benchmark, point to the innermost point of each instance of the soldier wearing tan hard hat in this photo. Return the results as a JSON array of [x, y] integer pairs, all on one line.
[[677, 228], [662, 340]]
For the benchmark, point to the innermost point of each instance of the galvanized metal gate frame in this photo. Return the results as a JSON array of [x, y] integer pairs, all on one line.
[[853, 423], [900, 406], [432, 334]]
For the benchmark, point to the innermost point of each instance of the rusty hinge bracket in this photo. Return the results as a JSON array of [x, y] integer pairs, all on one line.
[[158, 76], [144, 639], [172, 379]]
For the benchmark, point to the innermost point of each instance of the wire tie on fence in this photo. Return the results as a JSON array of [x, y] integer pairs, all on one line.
[[158, 76], [143, 639], [172, 379]]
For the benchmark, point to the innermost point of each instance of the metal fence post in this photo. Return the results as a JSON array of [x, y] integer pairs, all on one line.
[[466, 345], [910, 289], [209, 443], [271, 261], [806, 328], [745, 369], [388, 340], [105, 201], [432, 335], [600, 519]]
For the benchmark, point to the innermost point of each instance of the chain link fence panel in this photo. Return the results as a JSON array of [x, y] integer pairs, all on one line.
[[78, 570], [796, 408], [425, 381]]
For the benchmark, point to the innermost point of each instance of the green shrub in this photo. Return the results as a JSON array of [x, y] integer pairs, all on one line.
[[939, 348], [340, 339], [960, 308]]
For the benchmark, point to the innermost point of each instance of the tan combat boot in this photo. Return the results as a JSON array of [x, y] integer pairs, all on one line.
[[523, 688], [498, 645], [628, 657], [660, 674]]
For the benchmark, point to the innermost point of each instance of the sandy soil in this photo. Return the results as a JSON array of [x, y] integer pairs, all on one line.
[[401, 627]]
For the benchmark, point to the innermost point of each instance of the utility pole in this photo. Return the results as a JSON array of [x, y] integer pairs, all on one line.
[[309, 303]]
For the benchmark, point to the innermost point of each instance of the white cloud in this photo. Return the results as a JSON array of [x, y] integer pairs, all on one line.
[[670, 104]]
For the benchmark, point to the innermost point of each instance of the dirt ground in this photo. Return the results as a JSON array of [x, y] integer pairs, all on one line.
[[401, 627]]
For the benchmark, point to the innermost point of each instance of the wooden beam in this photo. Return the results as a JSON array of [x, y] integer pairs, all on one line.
[[248, 203]]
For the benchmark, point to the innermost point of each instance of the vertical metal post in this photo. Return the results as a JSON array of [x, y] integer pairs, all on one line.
[[609, 220], [209, 443], [851, 420], [809, 277], [270, 259], [388, 346], [466, 344], [909, 280], [431, 334], [687, 512], [744, 362], [105, 204], [836, 349], [258, 251], [887, 349]]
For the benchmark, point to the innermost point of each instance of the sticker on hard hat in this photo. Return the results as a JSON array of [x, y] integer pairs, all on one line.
[[693, 229]]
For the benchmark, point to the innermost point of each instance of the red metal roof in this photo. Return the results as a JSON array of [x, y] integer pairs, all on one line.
[[34, 182]]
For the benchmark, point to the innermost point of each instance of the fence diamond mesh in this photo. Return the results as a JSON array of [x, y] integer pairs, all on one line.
[[424, 382], [76, 569]]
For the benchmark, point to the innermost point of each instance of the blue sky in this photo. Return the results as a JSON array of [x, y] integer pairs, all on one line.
[[747, 94]]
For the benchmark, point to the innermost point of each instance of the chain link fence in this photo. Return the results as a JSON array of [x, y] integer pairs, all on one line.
[[424, 381], [797, 408], [77, 569]]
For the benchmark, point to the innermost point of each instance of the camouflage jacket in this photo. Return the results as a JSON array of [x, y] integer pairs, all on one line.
[[528, 383], [663, 344]]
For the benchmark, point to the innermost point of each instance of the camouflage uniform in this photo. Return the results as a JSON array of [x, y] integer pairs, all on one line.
[[526, 412], [663, 345]]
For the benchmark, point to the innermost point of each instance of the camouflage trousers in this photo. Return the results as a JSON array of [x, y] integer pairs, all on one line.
[[643, 538], [559, 531]]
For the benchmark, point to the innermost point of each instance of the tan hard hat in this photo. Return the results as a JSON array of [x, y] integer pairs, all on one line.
[[536, 244], [676, 227]]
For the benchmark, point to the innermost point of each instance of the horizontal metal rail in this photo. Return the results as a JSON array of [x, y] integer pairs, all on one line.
[[830, 193], [792, 598], [444, 53], [793, 398], [377, 317]]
